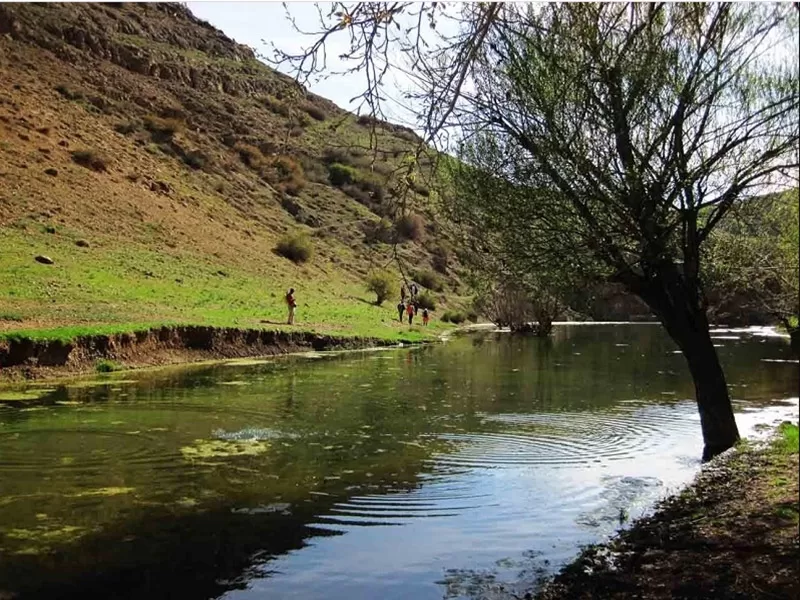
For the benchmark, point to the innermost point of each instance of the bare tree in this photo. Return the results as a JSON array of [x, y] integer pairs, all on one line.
[[646, 123]]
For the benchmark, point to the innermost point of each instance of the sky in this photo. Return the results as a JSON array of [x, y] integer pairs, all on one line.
[[260, 24]]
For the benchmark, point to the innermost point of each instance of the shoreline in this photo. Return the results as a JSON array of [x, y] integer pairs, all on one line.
[[732, 533], [24, 358]]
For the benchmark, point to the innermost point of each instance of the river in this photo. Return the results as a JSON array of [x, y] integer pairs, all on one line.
[[457, 470]]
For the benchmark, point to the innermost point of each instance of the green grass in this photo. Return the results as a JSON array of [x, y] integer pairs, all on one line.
[[787, 441], [108, 366], [114, 288]]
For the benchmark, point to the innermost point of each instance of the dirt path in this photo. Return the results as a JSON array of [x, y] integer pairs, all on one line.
[[733, 534]]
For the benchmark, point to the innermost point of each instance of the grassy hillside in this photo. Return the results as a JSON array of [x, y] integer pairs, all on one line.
[[158, 164]]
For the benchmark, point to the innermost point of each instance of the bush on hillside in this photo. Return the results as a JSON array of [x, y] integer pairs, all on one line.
[[472, 316], [162, 130], [429, 279], [381, 284], [195, 159], [250, 155], [315, 112], [285, 173], [69, 92], [454, 316], [296, 247], [440, 257], [91, 159], [277, 106], [425, 300], [378, 232], [410, 227], [340, 174], [128, 127]]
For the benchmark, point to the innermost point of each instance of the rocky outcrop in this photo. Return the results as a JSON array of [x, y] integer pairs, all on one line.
[[163, 41]]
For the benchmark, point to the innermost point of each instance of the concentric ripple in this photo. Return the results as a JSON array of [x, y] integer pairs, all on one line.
[[44, 450], [565, 439]]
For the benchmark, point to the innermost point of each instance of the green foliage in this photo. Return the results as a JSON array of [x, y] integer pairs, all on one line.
[[429, 279], [751, 260], [455, 316], [425, 300], [340, 174], [297, 247], [91, 159], [105, 365], [381, 284], [788, 439]]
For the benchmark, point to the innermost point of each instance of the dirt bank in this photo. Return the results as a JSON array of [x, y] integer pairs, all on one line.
[[25, 358], [733, 534]]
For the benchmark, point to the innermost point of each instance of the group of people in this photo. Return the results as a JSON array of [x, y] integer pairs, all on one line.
[[411, 308]]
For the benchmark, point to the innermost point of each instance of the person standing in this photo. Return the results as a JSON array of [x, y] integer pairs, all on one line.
[[402, 293], [414, 290], [410, 312], [291, 304], [425, 316], [401, 308]]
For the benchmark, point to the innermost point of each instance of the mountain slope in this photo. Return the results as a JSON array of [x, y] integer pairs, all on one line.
[[158, 163]]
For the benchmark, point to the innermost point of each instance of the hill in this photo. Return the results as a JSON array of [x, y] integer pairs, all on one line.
[[158, 164]]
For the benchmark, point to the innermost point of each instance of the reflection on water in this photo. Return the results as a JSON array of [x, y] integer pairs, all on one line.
[[447, 470]]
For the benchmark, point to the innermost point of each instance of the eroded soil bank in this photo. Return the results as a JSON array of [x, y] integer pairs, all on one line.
[[25, 358], [733, 534]]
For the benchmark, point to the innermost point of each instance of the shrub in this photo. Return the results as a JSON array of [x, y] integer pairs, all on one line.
[[296, 247], [425, 300], [277, 106], [410, 227], [378, 231], [472, 316], [91, 159], [357, 194], [455, 316], [380, 284], [340, 174], [337, 155], [440, 257], [105, 365], [69, 92], [162, 129], [429, 279], [421, 190], [250, 155], [285, 173], [127, 127], [195, 159]]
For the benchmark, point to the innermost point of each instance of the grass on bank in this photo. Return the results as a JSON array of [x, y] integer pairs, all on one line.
[[108, 288]]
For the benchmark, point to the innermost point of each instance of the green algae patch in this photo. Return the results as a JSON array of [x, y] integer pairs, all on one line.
[[77, 385], [24, 395], [247, 362], [106, 491], [203, 449]]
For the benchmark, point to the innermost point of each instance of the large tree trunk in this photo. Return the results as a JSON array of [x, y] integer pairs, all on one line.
[[711, 390], [686, 322]]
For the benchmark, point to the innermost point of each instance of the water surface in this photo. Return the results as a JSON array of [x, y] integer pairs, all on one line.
[[443, 471]]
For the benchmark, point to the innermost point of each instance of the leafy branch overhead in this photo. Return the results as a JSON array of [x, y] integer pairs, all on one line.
[[606, 138]]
